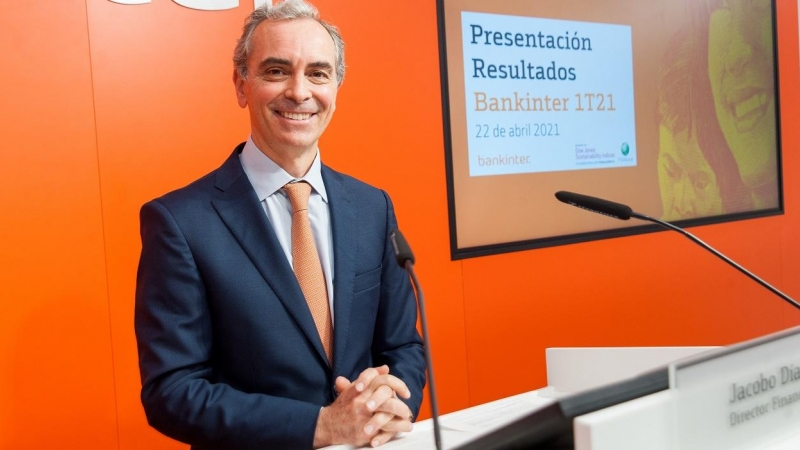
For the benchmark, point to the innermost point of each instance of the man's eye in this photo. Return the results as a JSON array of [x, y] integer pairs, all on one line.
[[274, 72], [319, 74]]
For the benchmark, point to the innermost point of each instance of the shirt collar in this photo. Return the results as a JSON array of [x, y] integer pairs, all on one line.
[[268, 178]]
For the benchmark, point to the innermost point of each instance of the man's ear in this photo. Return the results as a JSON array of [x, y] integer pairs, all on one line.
[[238, 84]]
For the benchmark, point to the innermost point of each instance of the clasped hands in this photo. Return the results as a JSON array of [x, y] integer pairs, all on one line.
[[366, 411]]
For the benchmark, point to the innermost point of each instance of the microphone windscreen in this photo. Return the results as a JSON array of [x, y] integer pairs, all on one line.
[[402, 251], [594, 204]]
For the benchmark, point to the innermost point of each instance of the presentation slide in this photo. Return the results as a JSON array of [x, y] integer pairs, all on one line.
[[668, 106], [546, 95]]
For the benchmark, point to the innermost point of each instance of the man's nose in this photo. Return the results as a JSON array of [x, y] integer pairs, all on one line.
[[298, 89]]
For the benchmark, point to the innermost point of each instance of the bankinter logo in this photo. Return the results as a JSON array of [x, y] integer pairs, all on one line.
[[205, 5]]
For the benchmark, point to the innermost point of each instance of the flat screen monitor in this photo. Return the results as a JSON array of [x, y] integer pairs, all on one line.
[[668, 106]]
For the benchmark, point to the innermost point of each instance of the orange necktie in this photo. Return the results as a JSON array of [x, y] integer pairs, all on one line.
[[307, 267]]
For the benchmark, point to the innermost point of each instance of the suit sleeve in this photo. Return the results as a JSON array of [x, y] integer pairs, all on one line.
[[174, 337], [396, 341]]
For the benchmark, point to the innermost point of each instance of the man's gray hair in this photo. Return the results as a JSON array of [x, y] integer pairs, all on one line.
[[285, 10]]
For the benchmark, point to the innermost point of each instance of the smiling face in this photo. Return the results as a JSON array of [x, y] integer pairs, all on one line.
[[740, 57], [290, 89]]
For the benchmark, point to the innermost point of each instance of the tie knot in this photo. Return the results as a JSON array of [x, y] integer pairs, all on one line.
[[298, 195]]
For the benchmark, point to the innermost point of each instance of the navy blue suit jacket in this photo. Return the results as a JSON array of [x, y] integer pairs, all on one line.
[[228, 352]]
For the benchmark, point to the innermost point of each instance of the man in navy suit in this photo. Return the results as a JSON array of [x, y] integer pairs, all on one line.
[[229, 353]]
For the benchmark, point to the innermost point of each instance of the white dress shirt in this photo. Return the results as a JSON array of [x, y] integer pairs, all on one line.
[[268, 180]]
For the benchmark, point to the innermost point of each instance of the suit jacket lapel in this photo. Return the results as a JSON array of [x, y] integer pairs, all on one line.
[[239, 207], [344, 226]]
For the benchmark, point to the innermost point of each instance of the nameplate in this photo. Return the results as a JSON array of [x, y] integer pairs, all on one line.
[[741, 396]]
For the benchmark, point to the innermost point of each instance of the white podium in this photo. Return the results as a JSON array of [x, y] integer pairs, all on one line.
[[745, 396]]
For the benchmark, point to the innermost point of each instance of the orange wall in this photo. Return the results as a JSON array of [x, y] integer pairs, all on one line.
[[105, 106]]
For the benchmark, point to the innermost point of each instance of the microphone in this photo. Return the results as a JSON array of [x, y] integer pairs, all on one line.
[[405, 259], [624, 212], [596, 205], [402, 251]]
